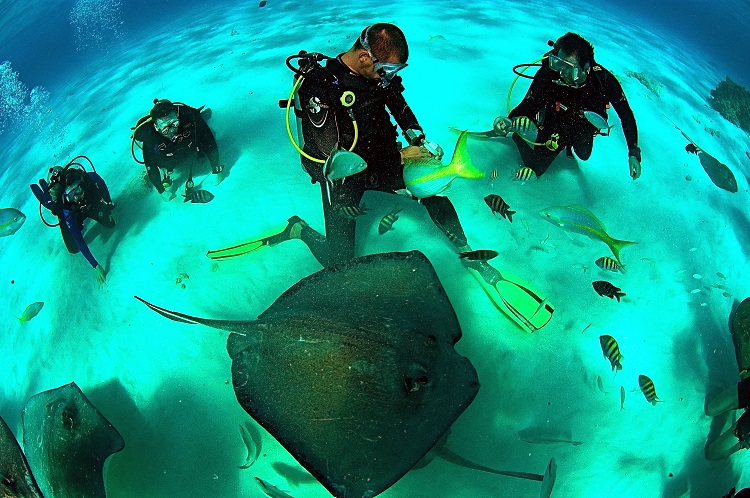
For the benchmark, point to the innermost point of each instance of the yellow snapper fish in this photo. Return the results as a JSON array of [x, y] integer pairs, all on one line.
[[30, 312], [10, 221], [578, 219], [428, 177]]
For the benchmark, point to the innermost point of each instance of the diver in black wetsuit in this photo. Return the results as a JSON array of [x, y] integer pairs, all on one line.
[[569, 83], [73, 194], [361, 86], [173, 134]]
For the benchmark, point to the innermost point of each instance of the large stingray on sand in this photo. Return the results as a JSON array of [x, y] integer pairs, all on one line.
[[67, 442], [353, 369]]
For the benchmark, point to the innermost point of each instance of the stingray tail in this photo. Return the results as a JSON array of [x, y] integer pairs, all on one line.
[[172, 315]]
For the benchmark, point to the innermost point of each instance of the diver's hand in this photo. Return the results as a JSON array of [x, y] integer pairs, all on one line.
[[414, 152], [167, 196], [635, 167], [502, 126], [217, 178], [99, 274]]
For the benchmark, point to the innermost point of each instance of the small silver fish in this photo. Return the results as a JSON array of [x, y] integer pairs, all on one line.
[[270, 489], [721, 275], [253, 448], [31, 311], [611, 351], [622, 397], [599, 122], [600, 384], [388, 220], [648, 389]]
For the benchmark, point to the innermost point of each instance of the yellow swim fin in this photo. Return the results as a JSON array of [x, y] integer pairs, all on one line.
[[523, 305], [247, 247]]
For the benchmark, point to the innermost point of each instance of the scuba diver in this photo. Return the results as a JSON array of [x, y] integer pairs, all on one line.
[[735, 397], [350, 146], [73, 194], [566, 105], [172, 134]]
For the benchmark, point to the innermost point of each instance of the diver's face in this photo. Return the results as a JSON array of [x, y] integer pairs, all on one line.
[[374, 68], [168, 125], [568, 65]]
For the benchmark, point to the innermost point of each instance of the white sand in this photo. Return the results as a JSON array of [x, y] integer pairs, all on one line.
[[166, 386]]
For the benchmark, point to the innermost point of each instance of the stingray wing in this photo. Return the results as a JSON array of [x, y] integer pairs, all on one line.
[[67, 442], [353, 370], [17, 479]]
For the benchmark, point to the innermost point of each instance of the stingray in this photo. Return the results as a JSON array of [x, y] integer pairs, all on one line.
[[739, 327], [67, 442], [353, 369], [16, 479], [718, 172]]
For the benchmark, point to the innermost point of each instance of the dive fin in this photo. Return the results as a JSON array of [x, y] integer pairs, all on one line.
[[246, 247], [524, 306]]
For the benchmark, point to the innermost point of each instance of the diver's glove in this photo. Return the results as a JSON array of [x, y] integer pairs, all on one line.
[[217, 175], [434, 149], [502, 126], [634, 162]]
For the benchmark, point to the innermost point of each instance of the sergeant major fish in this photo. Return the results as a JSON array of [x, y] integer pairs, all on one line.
[[388, 220], [478, 255], [578, 219], [611, 351], [198, 196], [606, 289], [353, 212], [648, 389], [498, 205], [607, 263], [524, 174]]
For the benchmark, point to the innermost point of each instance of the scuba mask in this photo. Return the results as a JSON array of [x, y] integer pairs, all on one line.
[[168, 125], [571, 74], [386, 70]]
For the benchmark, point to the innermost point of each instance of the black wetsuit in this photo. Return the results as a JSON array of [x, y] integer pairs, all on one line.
[[96, 204], [326, 124], [559, 109], [193, 137]]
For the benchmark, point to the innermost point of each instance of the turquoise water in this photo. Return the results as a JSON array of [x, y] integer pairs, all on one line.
[[167, 386]]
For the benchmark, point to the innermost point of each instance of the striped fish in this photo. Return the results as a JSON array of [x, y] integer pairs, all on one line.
[[30, 312], [606, 289], [492, 178], [524, 174], [478, 255], [352, 212], [498, 205], [648, 389], [611, 351], [388, 220], [607, 263], [198, 196]]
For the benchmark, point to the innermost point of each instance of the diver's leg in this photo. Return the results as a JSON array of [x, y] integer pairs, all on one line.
[[536, 157], [340, 229], [583, 145], [297, 228], [732, 398], [444, 215]]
